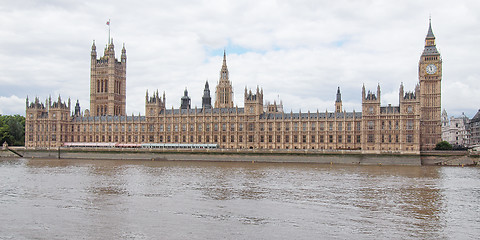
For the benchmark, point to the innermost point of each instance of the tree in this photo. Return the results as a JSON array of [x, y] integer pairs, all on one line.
[[12, 130], [443, 145]]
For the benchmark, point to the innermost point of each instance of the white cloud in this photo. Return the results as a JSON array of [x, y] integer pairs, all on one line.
[[300, 51], [12, 105]]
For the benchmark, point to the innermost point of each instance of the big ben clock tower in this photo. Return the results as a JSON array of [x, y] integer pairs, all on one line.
[[430, 77]]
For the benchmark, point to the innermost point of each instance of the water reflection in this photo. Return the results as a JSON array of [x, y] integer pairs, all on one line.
[[135, 199]]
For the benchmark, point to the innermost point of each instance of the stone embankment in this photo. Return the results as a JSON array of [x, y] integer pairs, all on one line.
[[450, 158], [224, 155], [7, 154]]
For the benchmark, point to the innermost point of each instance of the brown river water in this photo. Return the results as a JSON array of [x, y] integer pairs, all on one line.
[[104, 199]]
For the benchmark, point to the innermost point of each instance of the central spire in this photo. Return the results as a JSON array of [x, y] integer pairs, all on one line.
[[224, 70], [224, 90]]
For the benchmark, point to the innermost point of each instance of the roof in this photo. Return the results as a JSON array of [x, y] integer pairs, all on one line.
[[321, 115], [476, 118], [430, 50], [201, 111], [430, 32], [108, 118]]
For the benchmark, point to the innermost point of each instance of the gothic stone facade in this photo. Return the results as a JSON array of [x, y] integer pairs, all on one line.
[[410, 127]]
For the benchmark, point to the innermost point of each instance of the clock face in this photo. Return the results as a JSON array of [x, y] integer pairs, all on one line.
[[431, 69]]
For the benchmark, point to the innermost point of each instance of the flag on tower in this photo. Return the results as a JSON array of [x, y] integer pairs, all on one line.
[[108, 22]]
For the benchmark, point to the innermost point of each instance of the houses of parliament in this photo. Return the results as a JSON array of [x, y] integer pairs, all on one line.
[[412, 126]]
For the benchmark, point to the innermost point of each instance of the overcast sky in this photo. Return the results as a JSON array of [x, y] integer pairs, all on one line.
[[298, 51]]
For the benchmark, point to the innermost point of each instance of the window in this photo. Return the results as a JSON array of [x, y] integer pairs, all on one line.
[[409, 124], [409, 138], [371, 125], [370, 138]]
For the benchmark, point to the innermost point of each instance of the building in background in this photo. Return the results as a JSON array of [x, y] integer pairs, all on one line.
[[455, 130], [412, 126], [474, 128]]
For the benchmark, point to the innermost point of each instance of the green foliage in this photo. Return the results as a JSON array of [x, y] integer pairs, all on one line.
[[12, 130], [443, 145]]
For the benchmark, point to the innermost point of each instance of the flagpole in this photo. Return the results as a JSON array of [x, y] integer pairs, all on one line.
[[108, 31]]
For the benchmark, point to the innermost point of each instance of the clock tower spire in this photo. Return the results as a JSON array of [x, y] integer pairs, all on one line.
[[430, 77]]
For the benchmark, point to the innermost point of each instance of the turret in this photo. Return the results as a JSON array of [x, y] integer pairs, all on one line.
[[94, 52], [253, 102], [338, 101], [185, 101], [154, 104], [77, 109], [206, 99], [124, 54], [363, 91], [400, 92], [378, 92]]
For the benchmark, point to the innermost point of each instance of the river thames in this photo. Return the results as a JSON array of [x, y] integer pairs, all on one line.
[[87, 199]]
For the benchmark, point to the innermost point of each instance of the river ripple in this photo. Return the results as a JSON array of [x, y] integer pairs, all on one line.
[[87, 199]]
